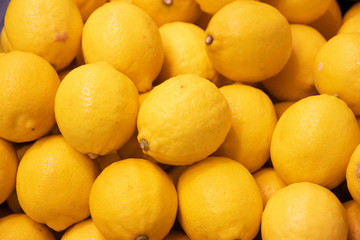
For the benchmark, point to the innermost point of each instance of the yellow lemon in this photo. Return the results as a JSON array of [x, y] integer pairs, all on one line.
[[212, 7], [337, 69], [304, 211], [295, 81], [133, 199], [269, 182], [53, 183], [351, 19], [86, 7], [352, 210], [185, 52], [96, 108], [300, 11], [21, 227], [252, 125], [29, 85], [313, 141], [50, 29], [219, 199], [164, 11], [176, 235], [244, 45], [329, 23], [8, 169], [83, 230], [183, 120], [126, 37], [281, 107], [353, 175]]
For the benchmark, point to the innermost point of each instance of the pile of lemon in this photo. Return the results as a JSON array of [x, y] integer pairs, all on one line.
[[180, 119]]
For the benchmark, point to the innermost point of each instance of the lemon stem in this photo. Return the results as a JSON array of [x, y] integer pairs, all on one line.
[[141, 237], [209, 39], [93, 155], [167, 2], [144, 145]]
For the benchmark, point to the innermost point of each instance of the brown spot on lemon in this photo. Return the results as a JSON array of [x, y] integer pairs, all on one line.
[[61, 36]]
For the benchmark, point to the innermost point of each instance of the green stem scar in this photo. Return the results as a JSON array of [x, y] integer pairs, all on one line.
[[144, 145], [209, 39], [142, 237], [167, 2]]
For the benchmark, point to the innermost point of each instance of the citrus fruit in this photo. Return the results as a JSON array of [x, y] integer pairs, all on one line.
[[165, 11], [329, 23], [252, 125], [351, 20], [353, 175], [21, 227], [8, 169], [185, 52], [133, 199], [295, 81], [301, 211], [86, 7], [352, 211], [300, 11], [30, 85], [126, 37], [175, 119], [219, 199], [212, 7], [246, 46], [96, 108], [50, 29], [337, 69], [53, 183], [83, 230], [269, 182], [313, 141]]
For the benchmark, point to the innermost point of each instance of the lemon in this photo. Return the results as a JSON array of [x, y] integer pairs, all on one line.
[[126, 37], [269, 182], [300, 11], [133, 199], [353, 175], [50, 29], [96, 108], [351, 20], [330, 22], [8, 169], [352, 210], [13, 203], [165, 11], [83, 230], [295, 81], [21, 227], [212, 7], [252, 125], [304, 211], [29, 85], [337, 69], [175, 172], [313, 141], [246, 46], [281, 107], [86, 7], [53, 183], [185, 52], [219, 199], [183, 120]]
